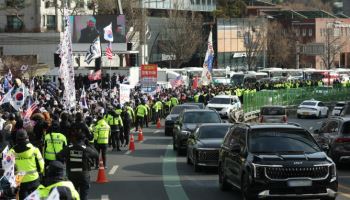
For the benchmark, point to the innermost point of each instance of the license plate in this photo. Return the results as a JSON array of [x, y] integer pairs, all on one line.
[[305, 113], [299, 183]]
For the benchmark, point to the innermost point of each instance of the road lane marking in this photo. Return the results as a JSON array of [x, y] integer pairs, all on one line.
[[128, 152], [319, 122], [311, 127], [343, 187], [105, 197], [158, 131], [113, 170], [171, 179], [344, 195]]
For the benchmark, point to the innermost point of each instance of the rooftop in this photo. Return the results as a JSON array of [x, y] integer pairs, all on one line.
[[301, 14]]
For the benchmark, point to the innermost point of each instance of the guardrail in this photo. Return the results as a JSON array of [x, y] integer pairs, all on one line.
[[252, 102]]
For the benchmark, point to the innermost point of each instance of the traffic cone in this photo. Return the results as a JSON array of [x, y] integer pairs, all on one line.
[[101, 176], [132, 143], [158, 123], [140, 135]]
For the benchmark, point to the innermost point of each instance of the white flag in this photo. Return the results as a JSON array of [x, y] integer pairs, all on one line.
[[54, 195], [93, 86], [208, 62], [108, 33], [94, 51], [7, 97]]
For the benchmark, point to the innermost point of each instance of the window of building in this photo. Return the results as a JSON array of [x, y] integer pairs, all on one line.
[[51, 22], [310, 32], [80, 4], [13, 23], [18, 3], [304, 32]]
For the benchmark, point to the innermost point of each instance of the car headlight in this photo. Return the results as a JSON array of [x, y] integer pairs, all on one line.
[[333, 172], [185, 132], [258, 171], [168, 118]]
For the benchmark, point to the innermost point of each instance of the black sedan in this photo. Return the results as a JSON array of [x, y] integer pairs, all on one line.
[[204, 144], [174, 114]]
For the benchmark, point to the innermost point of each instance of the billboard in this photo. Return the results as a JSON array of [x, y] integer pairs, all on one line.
[[149, 75], [85, 28]]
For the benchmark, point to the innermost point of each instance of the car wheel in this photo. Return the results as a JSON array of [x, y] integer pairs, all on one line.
[[319, 115], [174, 144], [328, 198], [223, 184], [245, 188], [188, 160], [298, 116], [196, 167]]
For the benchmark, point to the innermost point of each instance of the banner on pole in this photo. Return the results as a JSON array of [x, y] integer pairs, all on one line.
[[149, 76]]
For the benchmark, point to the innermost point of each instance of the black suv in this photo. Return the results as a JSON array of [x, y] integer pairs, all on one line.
[[276, 161], [334, 136]]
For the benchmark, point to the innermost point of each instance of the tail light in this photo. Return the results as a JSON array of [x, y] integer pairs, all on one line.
[[285, 119], [342, 140], [261, 119]]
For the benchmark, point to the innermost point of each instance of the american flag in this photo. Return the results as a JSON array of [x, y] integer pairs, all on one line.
[[28, 113], [109, 53], [177, 82]]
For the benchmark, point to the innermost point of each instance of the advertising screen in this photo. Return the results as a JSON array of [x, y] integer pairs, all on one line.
[[85, 28]]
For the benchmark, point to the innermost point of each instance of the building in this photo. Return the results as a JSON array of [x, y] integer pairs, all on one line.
[[346, 7], [37, 30], [312, 30], [239, 41]]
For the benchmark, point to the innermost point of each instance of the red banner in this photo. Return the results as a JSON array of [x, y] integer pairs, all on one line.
[[149, 71]]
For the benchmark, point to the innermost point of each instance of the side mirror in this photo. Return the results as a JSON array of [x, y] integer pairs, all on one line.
[[316, 131], [325, 147], [236, 148]]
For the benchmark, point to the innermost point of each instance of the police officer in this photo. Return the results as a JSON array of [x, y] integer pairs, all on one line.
[[54, 178], [141, 112], [157, 107], [126, 126], [28, 160], [101, 138], [174, 101], [131, 112], [78, 158], [115, 122], [54, 142]]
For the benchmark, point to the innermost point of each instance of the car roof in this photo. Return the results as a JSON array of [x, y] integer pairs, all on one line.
[[186, 105], [273, 106], [275, 125], [311, 100], [224, 96], [199, 110], [215, 124], [344, 118]]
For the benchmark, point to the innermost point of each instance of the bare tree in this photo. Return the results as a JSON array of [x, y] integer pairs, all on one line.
[[280, 45], [333, 45], [181, 36], [254, 42]]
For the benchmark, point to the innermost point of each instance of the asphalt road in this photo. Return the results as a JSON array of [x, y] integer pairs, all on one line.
[[154, 172]]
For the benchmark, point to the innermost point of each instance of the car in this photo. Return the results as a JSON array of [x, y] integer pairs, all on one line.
[[334, 135], [276, 161], [200, 105], [338, 108], [187, 123], [273, 114], [312, 108], [204, 143], [172, 117], [224, 104]]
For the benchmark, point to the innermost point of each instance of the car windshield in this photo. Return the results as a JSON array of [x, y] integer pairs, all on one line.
[[273, 111], [308, 103], [281, 141], [201, 117], [346, 128], [207, 132], [340, 105], [178, 109], [220, 101]]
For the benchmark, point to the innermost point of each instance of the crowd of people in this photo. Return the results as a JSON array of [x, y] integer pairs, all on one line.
[[57, 139]]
